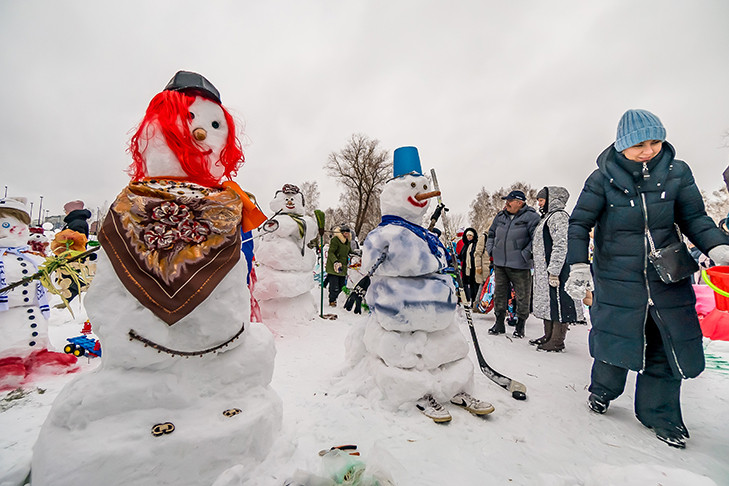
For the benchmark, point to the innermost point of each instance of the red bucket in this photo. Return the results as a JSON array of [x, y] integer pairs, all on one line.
[[719, 276]]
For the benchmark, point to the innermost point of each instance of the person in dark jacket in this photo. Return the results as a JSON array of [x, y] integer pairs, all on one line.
[[467, 257], [77, 217], [640, 323], [510, 245], [337, 261]]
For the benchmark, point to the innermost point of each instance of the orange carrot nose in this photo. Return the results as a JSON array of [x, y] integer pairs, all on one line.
[[426, 195], [200, 134]]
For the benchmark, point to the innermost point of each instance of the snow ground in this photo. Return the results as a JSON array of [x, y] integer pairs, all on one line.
[[549, 439]]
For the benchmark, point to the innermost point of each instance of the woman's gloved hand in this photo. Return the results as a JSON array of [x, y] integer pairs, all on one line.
[[579, 281], [720, 254]]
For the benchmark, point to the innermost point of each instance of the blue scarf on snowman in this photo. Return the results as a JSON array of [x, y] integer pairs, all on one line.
[[434, 244], [40, 291]]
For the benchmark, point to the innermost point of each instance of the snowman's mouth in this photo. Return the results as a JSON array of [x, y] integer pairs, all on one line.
[[290, 206], [420, 204]]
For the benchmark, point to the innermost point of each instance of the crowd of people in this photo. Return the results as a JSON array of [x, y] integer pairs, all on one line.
[[606, 257]]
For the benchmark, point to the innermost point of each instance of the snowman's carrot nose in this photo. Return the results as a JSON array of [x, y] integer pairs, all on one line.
[[200, 134], [426, 195]]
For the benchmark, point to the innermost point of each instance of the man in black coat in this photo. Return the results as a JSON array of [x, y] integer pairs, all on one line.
[[510, 245], [639, 322]]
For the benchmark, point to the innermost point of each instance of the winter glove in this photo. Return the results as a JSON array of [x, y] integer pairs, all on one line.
[[357, 295], [720, 254], [553, 280], [580, 281], [337, 267]]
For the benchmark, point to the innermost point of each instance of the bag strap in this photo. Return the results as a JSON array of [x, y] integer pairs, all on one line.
[[650, 237]]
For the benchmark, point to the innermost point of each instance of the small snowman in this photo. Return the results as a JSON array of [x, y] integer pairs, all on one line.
[[410, 349], [24, 310], [285, 269], [183, 390], [38, 241]]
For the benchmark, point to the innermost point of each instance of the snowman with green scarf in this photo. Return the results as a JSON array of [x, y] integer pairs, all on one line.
[[284, 262]]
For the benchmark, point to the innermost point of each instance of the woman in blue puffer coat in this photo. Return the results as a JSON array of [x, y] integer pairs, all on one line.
[[639, 322]]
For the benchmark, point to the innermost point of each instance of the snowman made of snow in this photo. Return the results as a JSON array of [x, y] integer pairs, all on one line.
[[24, 310], [410, 349], [183, 390], [285, 264]]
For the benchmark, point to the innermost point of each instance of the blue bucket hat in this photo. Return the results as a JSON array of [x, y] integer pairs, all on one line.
[[406, 161], [638, 126]]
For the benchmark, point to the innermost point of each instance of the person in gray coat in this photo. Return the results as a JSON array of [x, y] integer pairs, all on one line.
[[550, 301], [510, 245]]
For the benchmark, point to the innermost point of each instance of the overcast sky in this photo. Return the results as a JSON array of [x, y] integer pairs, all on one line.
[[490, 91]]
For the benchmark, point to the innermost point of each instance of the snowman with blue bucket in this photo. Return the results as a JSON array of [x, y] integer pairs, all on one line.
[[410, 349]]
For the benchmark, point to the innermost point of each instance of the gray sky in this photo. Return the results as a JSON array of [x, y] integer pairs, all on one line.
[[490, 91]]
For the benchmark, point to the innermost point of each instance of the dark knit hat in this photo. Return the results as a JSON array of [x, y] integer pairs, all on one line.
[[542, 194], [515, 195], [637, 126]]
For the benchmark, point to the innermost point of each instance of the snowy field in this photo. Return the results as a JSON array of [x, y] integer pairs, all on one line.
[[549, 439]]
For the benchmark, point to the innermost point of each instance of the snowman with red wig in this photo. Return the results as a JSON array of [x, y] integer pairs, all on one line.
[[410, 351], [183, 390], [24, 310]]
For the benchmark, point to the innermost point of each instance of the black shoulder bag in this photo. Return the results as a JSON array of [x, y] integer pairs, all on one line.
[[673, 262]]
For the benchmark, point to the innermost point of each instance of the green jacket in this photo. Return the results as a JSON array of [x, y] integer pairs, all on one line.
[[338, 252]]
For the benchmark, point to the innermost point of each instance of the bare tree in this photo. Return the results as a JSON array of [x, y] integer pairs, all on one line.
[[362, 168], [486, 205], [310, 191]]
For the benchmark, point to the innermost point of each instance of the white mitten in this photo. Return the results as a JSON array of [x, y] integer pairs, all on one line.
[[579, 281], [720, 254]]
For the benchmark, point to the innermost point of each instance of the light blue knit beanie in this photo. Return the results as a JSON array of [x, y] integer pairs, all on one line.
[[637, 126]]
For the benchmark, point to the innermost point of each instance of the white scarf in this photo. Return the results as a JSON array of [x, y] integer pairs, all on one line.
[[40, 291]]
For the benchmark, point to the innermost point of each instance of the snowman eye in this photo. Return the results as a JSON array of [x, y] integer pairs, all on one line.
[[425, 186], [6, 224], [412, 184], [192, 116], [216, 125]]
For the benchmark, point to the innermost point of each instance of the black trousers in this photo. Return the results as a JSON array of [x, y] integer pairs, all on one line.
[[470, 287], [336, 282], [522, 282], [657, 388]]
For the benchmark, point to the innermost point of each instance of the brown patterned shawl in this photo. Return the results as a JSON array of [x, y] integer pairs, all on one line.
[[171, 243]]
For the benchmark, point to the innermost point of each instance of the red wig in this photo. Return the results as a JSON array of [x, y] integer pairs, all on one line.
[[168, 109]]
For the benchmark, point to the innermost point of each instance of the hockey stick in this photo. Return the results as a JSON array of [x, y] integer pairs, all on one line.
[[518, 390]]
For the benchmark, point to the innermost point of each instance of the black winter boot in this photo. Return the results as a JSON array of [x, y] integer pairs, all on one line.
[[547, 334], [498, 328], [556, 343], [519, 328]]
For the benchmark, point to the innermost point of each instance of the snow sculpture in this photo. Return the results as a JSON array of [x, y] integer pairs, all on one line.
[[24, 309], [183, 391], [410, 349], [285, 263]]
